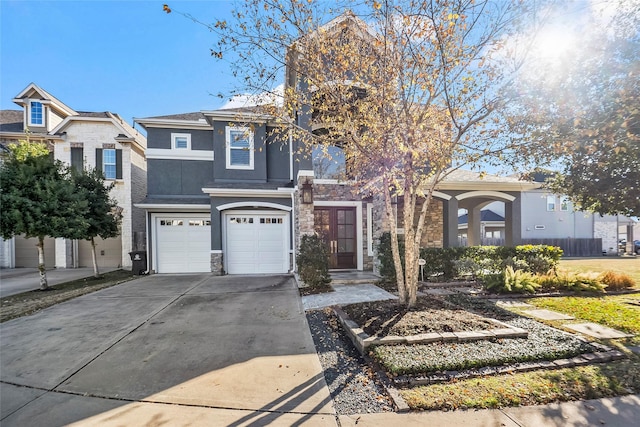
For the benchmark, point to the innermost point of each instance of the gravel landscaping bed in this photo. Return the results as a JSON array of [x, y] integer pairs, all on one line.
[[353, 384], [429, 315], [543, 343]]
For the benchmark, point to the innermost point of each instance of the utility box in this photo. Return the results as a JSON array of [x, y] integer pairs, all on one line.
[[139, 259]]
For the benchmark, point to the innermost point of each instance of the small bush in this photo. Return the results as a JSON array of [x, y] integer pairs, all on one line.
[[512, 281], [570, 281], [616, 281], [313, 262]]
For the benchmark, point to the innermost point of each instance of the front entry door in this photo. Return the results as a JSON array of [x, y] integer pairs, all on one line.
[[336, 226]]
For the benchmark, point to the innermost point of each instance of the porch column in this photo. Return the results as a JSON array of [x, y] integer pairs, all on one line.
[[450, 223], [474, 232], [512, 222]]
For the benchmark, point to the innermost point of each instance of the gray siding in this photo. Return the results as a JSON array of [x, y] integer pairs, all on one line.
[[278, 163], [557, 223], [176, 177], [161, 138]]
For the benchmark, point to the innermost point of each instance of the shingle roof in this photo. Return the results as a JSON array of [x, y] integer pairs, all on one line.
[[93, 114], [461, 175], [485, 215], [183, 116], [11, 120]]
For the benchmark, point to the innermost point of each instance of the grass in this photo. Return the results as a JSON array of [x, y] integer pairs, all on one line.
[[627, 265], [613, 311], [27, 303], [529, 388]]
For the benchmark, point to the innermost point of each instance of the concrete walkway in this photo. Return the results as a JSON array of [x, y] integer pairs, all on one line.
[[166, 349], [17, 280]]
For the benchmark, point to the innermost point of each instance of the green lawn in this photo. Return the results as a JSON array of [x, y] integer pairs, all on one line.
[[627, 265], [615, 311]]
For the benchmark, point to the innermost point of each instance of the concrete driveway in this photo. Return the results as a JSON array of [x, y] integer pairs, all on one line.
[[163, 349]]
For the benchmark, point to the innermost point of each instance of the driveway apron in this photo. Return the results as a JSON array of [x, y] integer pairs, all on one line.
[[163, 346]]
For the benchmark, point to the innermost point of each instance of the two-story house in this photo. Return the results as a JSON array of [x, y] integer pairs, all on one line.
[[101, 140], [230, 193]]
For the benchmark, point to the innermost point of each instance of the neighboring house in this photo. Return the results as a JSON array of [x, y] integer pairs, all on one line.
[[491, 225], [101, 140], [550, 217]]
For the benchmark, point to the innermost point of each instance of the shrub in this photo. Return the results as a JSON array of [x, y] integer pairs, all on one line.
[[570, 281], [516, 281], [616, 281], [385, 257], [313, 261]]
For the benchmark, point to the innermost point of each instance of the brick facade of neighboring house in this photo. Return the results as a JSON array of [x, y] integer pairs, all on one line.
[[84, 140]]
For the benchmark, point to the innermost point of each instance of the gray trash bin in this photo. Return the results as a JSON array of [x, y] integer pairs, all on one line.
[[139, 259]]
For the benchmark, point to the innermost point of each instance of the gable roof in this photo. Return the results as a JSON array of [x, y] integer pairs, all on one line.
[[32, 89]]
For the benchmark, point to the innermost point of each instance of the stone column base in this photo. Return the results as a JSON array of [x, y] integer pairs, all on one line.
[[217, 267]]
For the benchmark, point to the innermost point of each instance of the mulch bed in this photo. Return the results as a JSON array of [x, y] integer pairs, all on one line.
[[430, 314]]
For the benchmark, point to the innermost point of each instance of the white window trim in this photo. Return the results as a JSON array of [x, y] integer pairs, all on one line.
[[174, 136], [228, 131], [370, 229], [554, 203], [115, 163], [44, 114]]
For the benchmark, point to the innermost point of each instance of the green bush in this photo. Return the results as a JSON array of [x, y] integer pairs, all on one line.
[[477, 261], [516, 281], [313, 261]]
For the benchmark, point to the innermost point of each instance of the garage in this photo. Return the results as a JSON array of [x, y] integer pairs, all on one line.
[[183, 244], [256, 242], [26, 252], [108, 252]]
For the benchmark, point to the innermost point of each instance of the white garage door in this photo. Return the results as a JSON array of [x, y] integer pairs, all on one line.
[[183, 244], [257, 243]]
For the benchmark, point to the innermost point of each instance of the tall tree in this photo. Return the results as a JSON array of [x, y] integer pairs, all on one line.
[[38, 199], [103, 215], [410, 90], [588, 107]]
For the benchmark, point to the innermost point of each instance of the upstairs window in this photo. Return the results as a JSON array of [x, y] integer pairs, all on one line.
[[180, 141], [564, 204], [36, 113], [239, 143], [329, 162], [551, 203], [109, 161]]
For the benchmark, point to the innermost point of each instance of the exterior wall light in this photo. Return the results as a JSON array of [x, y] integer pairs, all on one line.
[[307, 193]]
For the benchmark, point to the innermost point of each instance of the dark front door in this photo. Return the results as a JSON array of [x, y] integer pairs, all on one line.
[[336, 226]]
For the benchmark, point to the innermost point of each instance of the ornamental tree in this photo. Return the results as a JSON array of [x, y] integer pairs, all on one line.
[[588, 107], [103, 215], [38, 199], [409, 90]]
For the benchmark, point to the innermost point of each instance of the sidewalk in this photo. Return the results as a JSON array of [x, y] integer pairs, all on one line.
[[17, 280]]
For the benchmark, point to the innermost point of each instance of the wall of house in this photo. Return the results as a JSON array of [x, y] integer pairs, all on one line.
[[220, 171], [278, 159], [178, 177], [538, 223], [138, 193], [161, 138]]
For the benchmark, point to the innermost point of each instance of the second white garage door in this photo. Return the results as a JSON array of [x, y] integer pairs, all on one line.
[[257, 243], [183, 244]]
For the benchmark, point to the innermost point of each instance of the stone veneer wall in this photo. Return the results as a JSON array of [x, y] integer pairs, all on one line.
[[217, 267]]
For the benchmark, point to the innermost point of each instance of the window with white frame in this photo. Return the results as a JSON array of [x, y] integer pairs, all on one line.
[[109, 163], [551, 203], [36, 113], [564, 203], [180, 141], [239, 143]]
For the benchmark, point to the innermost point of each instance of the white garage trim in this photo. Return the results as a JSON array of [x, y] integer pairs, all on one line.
[[285, 237], [493, 194], [253, 204], [200, 243]]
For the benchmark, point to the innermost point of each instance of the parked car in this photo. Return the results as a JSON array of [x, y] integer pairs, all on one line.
[[622, 246], [636, 246]]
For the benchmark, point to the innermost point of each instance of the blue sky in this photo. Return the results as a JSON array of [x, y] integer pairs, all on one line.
[[128, 57]]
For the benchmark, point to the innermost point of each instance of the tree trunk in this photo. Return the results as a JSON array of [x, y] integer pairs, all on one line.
[[94, 257], [44, 285], [395, 248]]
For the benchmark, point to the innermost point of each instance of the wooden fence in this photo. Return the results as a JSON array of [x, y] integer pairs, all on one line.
[[570, 247]]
